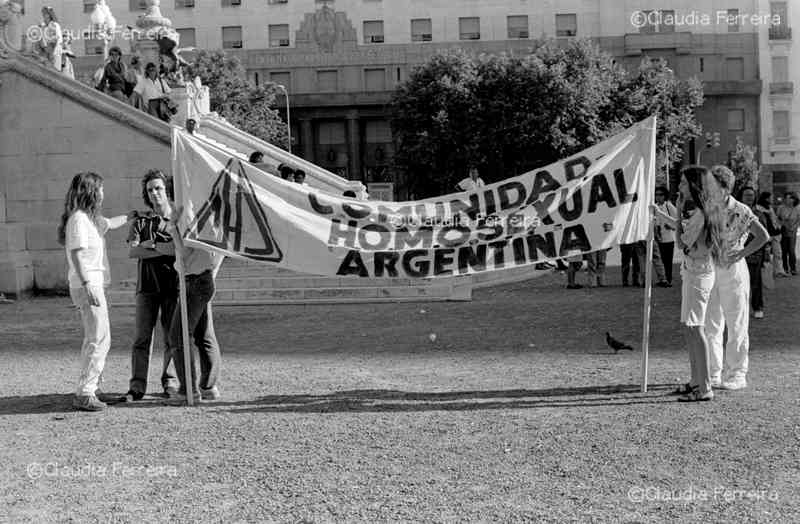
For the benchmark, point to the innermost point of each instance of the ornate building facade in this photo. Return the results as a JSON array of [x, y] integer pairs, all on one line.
[[341, 60]]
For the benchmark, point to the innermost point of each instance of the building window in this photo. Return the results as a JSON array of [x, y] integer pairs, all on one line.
[[734, 68], [184, 4], [279, 35], [659, 21], [421, 30], [328, 80], [780, 69], [137, 5], [702, 65], [779, 9], [518, 26], [231, 3], [375, 79], [187, 37], [469, 28], [278, 2], [373, 32], [283, 78], [566, 25], [88, 6], [780, 124], [735, 119], [733, 20], [232, 37], [781, 29]]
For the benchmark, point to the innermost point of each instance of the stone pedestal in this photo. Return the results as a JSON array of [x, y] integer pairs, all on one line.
[[146, 49]]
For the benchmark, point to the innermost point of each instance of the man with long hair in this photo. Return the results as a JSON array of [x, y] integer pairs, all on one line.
[[81, 232], [156, 284], [733, 224]]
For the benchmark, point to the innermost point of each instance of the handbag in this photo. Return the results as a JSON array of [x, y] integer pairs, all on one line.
[[167, 104], [767, 276]]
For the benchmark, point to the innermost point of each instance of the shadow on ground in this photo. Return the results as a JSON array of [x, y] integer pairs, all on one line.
[[377, 400]]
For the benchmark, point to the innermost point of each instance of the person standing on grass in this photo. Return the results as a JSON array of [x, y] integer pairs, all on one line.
[[82, 232], [695, 238], [664, 231], [789, 215], [756, 261], [629, 261], [741, 236], [156, 285], [199, 269]]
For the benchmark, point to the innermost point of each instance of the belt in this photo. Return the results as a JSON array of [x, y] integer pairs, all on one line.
[[198, 275]]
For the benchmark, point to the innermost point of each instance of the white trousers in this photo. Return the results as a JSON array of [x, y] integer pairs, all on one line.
[[729, 306], [96, 339]]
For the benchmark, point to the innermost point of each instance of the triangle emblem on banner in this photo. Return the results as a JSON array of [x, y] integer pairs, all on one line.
[[232, 218]]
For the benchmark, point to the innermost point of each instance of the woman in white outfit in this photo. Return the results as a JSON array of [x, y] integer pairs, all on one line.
[[81, 232], [695, 238]]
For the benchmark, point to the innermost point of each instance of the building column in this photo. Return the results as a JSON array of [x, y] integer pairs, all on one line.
[[354, 147], [307, 138]]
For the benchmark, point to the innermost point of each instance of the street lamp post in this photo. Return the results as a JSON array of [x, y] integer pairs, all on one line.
[[288, 122]]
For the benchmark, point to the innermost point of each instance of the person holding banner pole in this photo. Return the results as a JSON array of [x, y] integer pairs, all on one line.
[[694, 237], [198, 269]]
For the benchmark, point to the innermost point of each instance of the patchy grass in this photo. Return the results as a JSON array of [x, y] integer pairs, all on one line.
[[518, 411]]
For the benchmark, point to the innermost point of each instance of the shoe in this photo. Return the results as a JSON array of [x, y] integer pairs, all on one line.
[[132, 396], [715, 382], [170, 392], [696, 396], [683, 389], [574, 286], [758, 314], [734, 384], [211, 393], [180, 398], [88, 403]]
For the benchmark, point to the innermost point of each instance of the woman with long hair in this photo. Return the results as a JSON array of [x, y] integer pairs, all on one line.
[[81, 233], [51, 41], [695, 237]]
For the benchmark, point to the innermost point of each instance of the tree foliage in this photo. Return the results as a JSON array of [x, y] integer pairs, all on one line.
[[744, 164], [511, 113], [246, 106]]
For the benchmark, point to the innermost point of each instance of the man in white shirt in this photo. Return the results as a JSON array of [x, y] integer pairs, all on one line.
[[473, 181]]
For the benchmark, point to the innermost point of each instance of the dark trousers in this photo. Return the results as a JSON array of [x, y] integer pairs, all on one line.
[[629, 259], [788, 245], [199, 292], [148, 306], [667, 250], [754, 264], [658, 266]]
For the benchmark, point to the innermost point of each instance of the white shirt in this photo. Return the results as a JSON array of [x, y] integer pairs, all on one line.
[[153, 89], [468, 184], [87, 235], [667, 232]]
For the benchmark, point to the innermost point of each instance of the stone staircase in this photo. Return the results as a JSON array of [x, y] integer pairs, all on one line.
[[250, 283]]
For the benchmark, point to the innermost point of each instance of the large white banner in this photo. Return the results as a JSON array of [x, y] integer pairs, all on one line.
[[593, 200]]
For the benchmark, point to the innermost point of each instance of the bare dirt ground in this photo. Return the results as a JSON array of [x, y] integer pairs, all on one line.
[[516, 412]]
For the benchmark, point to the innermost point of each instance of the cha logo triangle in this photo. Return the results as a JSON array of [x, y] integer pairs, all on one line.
[[232, 218]]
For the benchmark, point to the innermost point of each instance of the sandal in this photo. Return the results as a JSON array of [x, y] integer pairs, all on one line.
[[696, 396], [683, 389]]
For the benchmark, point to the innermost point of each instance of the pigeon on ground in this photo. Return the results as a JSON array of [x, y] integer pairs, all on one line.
[[615, 344]]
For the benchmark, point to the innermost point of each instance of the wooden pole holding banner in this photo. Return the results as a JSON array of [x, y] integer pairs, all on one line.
[[187, 350], [648, 293], [648, 282]]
